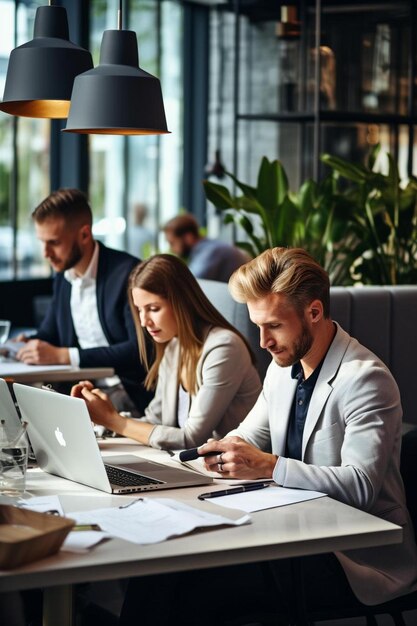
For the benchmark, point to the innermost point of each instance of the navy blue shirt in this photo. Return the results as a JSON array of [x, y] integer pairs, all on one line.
[[299, 409]]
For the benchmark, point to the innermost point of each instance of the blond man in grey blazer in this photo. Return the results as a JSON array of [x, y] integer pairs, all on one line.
[[347, 442], [328, 419]]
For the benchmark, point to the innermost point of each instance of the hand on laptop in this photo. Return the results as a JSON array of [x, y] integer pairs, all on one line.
[[98, 403], [103, 412], [21, 338]]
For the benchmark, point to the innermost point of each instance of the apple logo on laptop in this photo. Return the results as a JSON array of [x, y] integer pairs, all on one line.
[[60, 437]]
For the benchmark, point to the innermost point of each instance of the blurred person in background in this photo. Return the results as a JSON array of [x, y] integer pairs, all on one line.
[[141, 239], [206, 258]]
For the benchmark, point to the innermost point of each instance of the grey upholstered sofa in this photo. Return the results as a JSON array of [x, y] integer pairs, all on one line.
[[382, 318]]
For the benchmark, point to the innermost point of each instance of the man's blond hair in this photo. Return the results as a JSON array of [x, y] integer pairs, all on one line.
[[289, 271]]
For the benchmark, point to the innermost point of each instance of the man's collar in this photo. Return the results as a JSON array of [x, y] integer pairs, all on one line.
[[297, 371]]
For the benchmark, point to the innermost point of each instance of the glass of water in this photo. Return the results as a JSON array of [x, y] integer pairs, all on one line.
[[13, 463], [4, 330]]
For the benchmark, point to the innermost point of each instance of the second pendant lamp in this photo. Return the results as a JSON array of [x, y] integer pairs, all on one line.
[[117, 97]]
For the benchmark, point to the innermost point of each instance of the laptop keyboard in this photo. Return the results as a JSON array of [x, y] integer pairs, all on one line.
[[120, 477]]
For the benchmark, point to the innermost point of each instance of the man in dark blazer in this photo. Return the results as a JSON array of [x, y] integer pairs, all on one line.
[[88, 323]]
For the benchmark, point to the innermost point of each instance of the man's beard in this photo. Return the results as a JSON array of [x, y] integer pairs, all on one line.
[[74, 257], [299, 348], [186, 251]]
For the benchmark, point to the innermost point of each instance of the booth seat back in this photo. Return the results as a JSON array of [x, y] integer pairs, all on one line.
[[384, 319], [237, 314]]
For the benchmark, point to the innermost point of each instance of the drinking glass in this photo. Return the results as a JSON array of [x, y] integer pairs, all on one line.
[[4, 330], [13, 463]]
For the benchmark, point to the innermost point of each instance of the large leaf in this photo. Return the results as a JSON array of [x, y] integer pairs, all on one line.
[[250, 205], [307, 196], [285, 232], [218, 195], [247, 190], [373, 155], [247, 247], [228, 218], [242, 221], [408, 197], [272, 185], [355, 172], [246, 224], [257, 243], [393, 174]]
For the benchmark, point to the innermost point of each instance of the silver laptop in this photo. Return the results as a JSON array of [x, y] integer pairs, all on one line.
[[64, 443], [8, 411]]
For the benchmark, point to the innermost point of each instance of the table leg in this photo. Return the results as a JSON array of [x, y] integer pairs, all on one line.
[[58, 606]]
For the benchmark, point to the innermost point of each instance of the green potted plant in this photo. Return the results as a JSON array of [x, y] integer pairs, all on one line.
[[272, 215], [383, 220], [360, 224]]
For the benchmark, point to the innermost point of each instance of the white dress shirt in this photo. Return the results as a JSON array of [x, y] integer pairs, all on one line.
[[84, 311], [184, 401]]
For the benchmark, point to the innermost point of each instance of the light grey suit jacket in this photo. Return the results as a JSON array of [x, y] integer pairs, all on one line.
[[228, 386], [350, 450]]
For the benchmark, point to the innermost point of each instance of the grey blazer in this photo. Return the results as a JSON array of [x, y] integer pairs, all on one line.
[[350, 450], [228, 386]]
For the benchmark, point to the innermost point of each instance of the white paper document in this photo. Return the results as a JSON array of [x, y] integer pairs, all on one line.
[[152, 520], [82, 541], [42, 504], [76, 541], [268, 498]]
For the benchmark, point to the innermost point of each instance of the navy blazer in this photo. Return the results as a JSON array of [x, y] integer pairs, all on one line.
[[116, 320]]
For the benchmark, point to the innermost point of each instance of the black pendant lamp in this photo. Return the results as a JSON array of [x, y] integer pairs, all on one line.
[[117, 97], [41, 72]]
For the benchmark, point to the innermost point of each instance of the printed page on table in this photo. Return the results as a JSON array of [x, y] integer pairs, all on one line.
[[146, 520]]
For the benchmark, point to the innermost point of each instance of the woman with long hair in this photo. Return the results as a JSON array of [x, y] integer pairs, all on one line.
[[203, 369]]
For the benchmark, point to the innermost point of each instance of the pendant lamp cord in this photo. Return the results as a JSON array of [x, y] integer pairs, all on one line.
[[220, 82], [120, 15]]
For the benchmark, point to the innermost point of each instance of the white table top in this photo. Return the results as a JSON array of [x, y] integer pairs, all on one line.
[[311, 527], [22, 373]]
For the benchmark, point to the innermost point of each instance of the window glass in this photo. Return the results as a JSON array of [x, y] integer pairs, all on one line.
[[24, 160], [135, 181]]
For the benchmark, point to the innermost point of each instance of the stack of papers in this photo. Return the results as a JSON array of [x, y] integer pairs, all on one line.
[[148, 520], [76, 541], [143, 520]]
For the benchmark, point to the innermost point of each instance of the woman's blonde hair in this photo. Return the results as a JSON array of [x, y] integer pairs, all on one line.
[[168, 277], [289, 271]]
